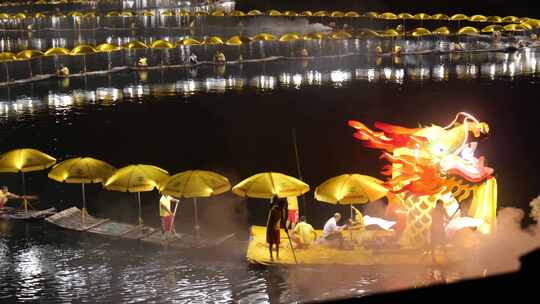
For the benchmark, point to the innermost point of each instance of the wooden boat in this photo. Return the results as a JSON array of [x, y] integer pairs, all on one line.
[[21, 214], [71, 219], [370, 252]]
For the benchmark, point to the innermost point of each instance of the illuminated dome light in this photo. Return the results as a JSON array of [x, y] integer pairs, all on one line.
[[147, 13], [112, 14], [440, 17], [90, 15], [371, 15], [388, 16], [126, 14], [478, 18], [494, 19], [237, 40], [352, 14], [183, 13], [405, 16], [459, 17], [75, 14], [468, 30], [167, 13]]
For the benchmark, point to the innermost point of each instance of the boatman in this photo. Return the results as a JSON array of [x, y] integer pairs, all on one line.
[[273, 225], [5, 195], [167, 217], [292, 211]]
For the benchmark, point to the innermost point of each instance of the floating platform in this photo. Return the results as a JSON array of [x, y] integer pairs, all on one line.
[[71, 219], [366, 254], [10, 213]]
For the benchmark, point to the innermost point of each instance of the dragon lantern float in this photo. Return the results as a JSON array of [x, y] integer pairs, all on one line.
[[433, 163]]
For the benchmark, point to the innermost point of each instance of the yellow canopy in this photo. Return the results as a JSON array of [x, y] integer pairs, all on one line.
[[4, 16], [289, 37], [81, 170], [273, 13], [513, 28], [478, 18], [107, 47], [491, 28], [321, 14], [290, 13], [350, 189], [40, 15], [135, 45], [237, 13], [306, 13], [136, 178], [468, 30], [195, 183], [83, 49], [459, 17], [188, 41], [440, 17], [510, 19], [75, 14], [112, 14], [443, 30], [201, 13], [315, 36], [421, 16], [212, 40], [7, 56], [219, 13], [368, 33], [254, 13], [371, 15], [237, 40], [268, 184], [420, 31], [126, 14], [25, 160], [352, 14], [494, 19], [167, 13], [29, 54], [264, 37], [147, 13], [388, 16], [389, 33], [337, 14], [57, 51], [405, 16], [341, 35], [161, 44]]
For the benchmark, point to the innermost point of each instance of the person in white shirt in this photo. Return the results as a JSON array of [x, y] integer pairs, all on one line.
[[331, 230]]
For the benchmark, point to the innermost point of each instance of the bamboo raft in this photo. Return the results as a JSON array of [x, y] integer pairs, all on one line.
[[10, 213], [71, 219], [365, 254]]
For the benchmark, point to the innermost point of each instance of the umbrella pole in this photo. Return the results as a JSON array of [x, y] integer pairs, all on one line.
[[298, 167], [25, 203], [83, 213], [139, 200], [197, 228]]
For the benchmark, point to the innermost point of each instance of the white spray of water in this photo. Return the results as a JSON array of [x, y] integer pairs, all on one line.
[[281, 26]]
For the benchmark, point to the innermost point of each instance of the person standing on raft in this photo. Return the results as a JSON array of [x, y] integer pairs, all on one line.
[[273, 225], [167, 217], [292, 212]]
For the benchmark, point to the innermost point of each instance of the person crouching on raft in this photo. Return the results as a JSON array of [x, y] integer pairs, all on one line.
[[167, 217], [273, 225], [304, 235], [219, 58], [5, 195], [332, 232]]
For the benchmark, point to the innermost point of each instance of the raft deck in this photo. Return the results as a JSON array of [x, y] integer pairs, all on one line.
[[10, 213], [354, 254], [71, 219]]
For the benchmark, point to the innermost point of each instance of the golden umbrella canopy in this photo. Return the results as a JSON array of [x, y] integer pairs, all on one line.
[[492, 28], [7, 56], [112, 14], [83, 49], [212, 40], [81, 170], [368, 33], [75, 14], [513, 28], [420, 31], [90, 15], [183, 13], [468, 30], [188, 41], [315, 36], [254, 13], [389, 33], [28, 54], [201, 13], [533, 24], [494, 19], [40, 15], [459, 17], [219, 13], [4, 16], [510, 19], [273, 13], [443, 31], [371, 15], [20, 16], [421, 16], [161, 44], [352, 14], [57, 51], [126, 14], [405, 16], [321, 14], [167, 13], [194, 184], [350, 189], [289, 37], [290, 13], [388, 16], [478, 18], [341, 35], [107, 47], [440, 17], [136, 178], [237, 40], [237, 13], [135, 45], [526, 25], [268, 184], [25, 160], [264, 37], [337, 14], [306, 13], [147, 13]]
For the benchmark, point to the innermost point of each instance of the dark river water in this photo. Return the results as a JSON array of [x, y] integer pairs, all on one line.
[[239, 121]]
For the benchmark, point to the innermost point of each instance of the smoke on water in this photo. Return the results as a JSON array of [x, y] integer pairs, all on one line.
[[282, 26]]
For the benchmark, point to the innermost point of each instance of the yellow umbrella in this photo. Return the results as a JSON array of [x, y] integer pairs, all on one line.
[[136, 178], [268, 184], [83, 50], [81, 170], [194, 184], [350, 189], [25, 160]]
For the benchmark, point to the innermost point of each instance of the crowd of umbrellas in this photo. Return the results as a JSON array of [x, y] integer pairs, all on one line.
[[344, 189]]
